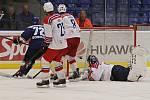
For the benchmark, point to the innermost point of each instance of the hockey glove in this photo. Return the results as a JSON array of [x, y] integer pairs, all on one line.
[[17, 41]]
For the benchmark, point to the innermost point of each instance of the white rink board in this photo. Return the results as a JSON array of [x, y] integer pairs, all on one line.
[[25, 89], [111, 46]]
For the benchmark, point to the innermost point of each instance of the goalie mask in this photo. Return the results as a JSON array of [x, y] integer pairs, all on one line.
[[62, 8], [93, 61]]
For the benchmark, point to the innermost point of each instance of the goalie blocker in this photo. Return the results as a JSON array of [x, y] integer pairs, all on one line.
[[99, 71]]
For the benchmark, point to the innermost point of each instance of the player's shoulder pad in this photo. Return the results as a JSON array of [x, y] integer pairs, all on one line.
[[66, 14], [53, 17]]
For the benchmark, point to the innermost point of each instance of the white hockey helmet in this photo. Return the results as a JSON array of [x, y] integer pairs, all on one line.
[[48, 7], [62, 8]]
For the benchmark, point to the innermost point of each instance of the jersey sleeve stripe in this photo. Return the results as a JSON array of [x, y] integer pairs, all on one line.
[[55, 16]]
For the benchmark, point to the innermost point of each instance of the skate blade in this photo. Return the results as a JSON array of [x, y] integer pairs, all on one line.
[[60, 85], [44, 86]]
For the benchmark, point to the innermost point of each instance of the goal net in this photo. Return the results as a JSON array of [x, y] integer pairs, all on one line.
[[111, 44]]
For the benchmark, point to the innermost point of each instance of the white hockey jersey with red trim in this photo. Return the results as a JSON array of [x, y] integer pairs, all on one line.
[[103, 72], [71, 27], [54, 29]]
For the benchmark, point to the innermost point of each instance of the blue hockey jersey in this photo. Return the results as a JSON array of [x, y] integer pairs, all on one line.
[[35, 35]]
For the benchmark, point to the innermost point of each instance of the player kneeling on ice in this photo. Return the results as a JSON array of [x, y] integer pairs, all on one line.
[[99, 71], [35, 36]]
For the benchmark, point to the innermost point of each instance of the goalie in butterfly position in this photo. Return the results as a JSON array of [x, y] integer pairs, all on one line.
[[98, 71], [35, 35]]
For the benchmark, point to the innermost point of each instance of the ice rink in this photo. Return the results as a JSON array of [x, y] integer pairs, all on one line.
[[25, 89]]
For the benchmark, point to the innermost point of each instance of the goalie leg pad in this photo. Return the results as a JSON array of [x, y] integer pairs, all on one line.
[[138, 64]]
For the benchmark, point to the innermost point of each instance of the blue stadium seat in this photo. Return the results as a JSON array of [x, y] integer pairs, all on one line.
[[85, 6], [98, 8], [149, 20], [59, 1], [110, 2], [122, 21], [84, 2], [138, 14], [146, 7], [110, 14], [133, 20], [111, 7], [142, 20], [110, 21], [134, 8], [122, 2], [132, 2], [146, 1], [148, 13], [94, 2], [98, 19], [122, 7], [71, 6], [122, 15], [71, 1]]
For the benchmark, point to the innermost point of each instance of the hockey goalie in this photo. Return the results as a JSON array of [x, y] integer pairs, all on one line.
[[99, 71]]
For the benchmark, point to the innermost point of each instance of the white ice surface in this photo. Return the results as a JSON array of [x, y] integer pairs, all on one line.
[[25, 89]]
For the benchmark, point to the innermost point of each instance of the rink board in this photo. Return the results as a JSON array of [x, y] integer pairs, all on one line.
[[113, 47]]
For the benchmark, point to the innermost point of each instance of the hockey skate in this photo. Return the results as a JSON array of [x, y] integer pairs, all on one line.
[[54, 77], [22, 72], [74, 76], [59, 83], [19, 73], [43, 84]]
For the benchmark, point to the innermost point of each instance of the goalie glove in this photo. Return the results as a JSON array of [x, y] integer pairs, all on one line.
[[17, 41]]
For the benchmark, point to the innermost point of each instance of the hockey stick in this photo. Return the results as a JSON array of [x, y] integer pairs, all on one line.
[[6, 75], [12, 39], [32, 77], [88, 47]]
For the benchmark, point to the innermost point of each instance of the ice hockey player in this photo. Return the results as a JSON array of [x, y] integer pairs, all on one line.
[[35, 36], [55, 37], [103, 72], [73, 38]]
